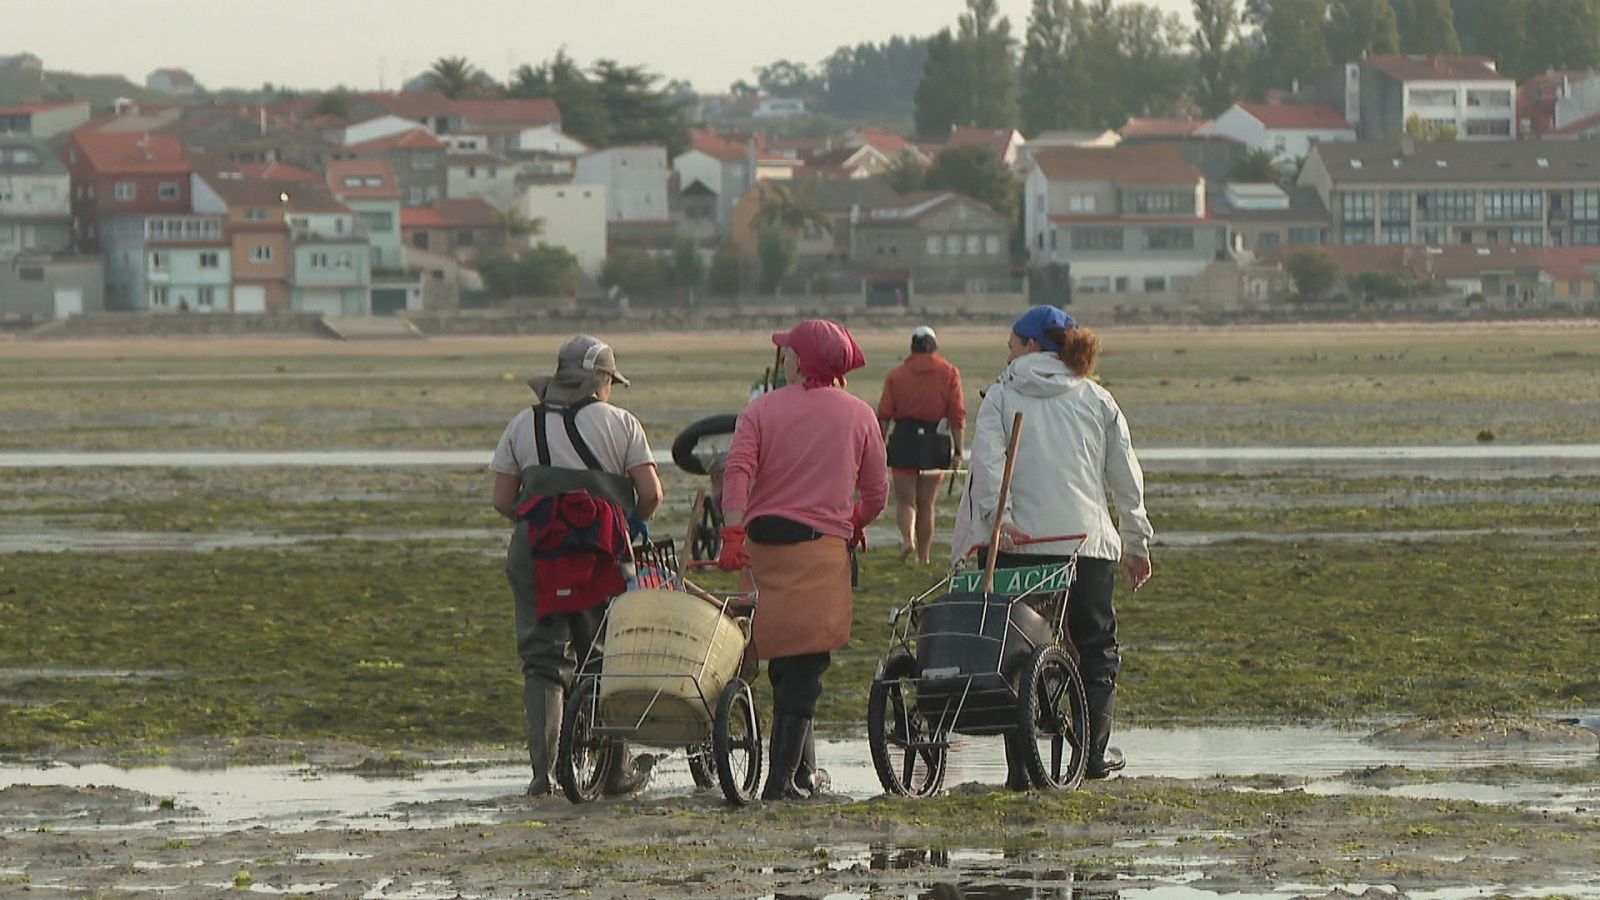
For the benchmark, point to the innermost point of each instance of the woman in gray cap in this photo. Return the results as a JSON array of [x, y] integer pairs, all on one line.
[[572, 439], [918, 395]]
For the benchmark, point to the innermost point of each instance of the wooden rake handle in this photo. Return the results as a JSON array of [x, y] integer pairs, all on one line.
[[1000, 507]]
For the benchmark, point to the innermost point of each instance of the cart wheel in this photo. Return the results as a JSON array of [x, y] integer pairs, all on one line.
[[701, 766], [707, 542], [909, 757], [1053, 720], [584, 755], [736, 743]]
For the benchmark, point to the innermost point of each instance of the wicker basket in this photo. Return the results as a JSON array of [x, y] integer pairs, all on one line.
[[652, 676]]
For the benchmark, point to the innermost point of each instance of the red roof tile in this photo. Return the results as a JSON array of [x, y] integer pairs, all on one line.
[[130, 152], [276, 171], [25, 108], [716, 146], [459, 213], [886, 142], [998, 139], [1296, 117], [529, 113], [1143, 127], [1437, 68], [421, 217], [415, 139], [1133, 164]]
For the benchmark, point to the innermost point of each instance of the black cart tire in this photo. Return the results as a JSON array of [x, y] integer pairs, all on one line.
[[1053, 720], [707, 543], [702, 767], [583, 756], [736, 743], [909, 757], [683, 445]]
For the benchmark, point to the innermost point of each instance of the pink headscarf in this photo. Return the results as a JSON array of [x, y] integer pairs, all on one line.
[[826, 351]]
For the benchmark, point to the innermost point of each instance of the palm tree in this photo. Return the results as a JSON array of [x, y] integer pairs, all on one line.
[[790, 210], [454, 76]]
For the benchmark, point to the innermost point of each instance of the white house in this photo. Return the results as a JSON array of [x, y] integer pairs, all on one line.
[[488, 176], [172, 81], [722, 166], [1467, 93], [779, 108], [571, 216], [370, 130], [1286, 131], [549, 139], [635, 181]]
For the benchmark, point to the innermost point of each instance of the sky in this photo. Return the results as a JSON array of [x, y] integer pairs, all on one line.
[[365, 44]]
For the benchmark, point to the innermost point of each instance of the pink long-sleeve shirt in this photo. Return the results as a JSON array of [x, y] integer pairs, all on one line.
[[803, 454]]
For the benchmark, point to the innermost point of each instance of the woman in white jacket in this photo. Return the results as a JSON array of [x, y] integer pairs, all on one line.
[[1074, 450]]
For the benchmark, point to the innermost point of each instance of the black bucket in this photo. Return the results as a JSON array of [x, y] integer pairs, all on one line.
[[970, 648]]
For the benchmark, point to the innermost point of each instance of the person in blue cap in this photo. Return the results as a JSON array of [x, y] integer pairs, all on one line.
[[1074, 451]]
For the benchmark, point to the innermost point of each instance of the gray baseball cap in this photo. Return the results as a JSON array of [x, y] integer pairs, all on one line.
[[581, 364]]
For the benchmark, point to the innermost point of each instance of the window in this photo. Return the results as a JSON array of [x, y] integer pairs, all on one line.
[[261, 253], [169, 190], [1155, 284], [1431, 234], [352, 181], [208, 260], [158, 295], [1356, 206], [1268, 240], [1094, 285], [464, 237], [1356, 234], [1586, 236], [1586, 205], [1395, 234], [952, 244], [1280, 143], [1432, 97], [423, 161], [1299, 235], [372, 181], [935, 245], [1447, 206], [31, 273], [319, 260], [1097, 238], [208, 296], [1122, 284], [255, 215], [1489, 127], [126, 190], [42, 193], [1501, 205], [378, 221], [991, 245], [974, 245], [472, 171], [419, 240], [1527, 236], [160, 261], [1157, 202], [1501, 99], [8, 235], [1169, 238], [1396, 207], [1078, 203]]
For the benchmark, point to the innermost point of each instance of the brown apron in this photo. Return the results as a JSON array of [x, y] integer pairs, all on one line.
[[803, 597]]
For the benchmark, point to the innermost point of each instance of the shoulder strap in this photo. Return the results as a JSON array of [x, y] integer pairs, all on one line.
[[541, 440], [569, 417]]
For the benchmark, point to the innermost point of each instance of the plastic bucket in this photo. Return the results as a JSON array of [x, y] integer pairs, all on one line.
[[970, 648], [668, 655]]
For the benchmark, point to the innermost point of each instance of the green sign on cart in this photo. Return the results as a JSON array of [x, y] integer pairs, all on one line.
[[1011, 582]]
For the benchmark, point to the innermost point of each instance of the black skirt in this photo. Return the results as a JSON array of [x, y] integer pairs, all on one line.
[[915, 444]]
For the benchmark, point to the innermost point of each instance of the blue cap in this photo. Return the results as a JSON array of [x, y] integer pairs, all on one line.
[[1035, 322]]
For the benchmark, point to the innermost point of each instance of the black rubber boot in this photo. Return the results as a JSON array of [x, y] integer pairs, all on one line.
[[542, 708], [1103, 759], [1016, 769], [627, 774], [811, 780], [784, 752]]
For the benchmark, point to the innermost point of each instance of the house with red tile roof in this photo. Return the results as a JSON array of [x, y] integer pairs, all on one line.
[[417, 158], [1007, 143], [173, 81], [1381, 93], [722, 167], [123, 174], [42, 120], [1287, 131], [940, 239], [464, 229], [1129, 220], [1559, 104]]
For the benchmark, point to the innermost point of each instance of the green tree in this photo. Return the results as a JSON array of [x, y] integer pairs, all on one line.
[[688, 271], [1050, 71], [726, 278], [1420, 129], [454, 77], [906, 172], [334, 103], [787, 78], [1219, 57], [775, 248], [639, 112], [543, 271], [1562, 34], [633, 271], [1427, 27], [1358, 28], [978, 172], [1259, 166], [1314, 271], [1149, 65], [790, 210], [967, 79], [1294, 47], [583, 111]]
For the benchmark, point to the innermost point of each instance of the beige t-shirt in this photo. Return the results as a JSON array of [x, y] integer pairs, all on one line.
[[614, 435]]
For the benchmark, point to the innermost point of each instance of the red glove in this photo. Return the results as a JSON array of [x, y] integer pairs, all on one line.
[[858, 525], [734, 556]]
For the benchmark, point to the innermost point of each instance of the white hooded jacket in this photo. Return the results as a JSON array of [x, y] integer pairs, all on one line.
[[1075, 446]]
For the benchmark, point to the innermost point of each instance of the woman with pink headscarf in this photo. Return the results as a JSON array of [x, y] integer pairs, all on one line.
[[800, 455]]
